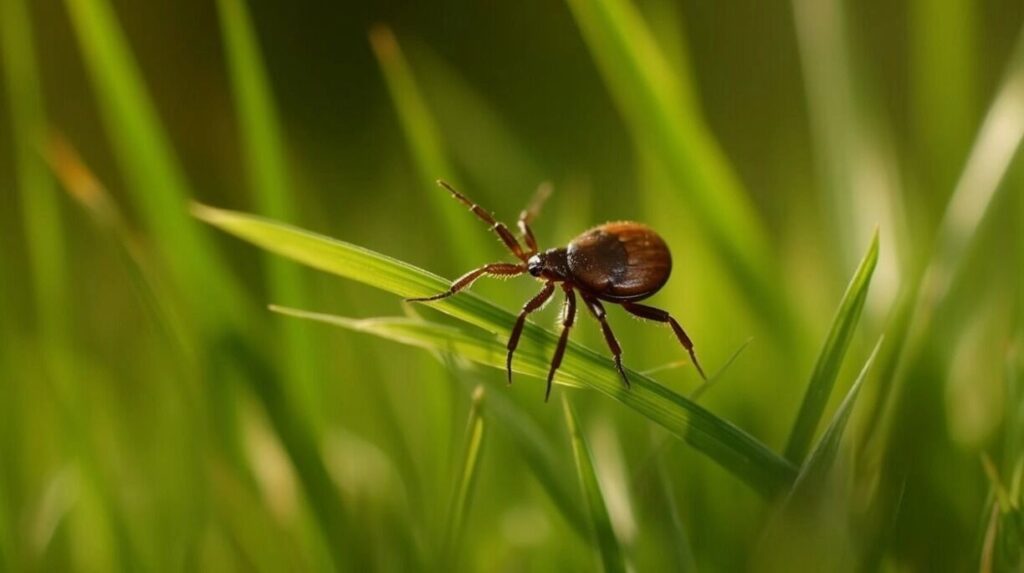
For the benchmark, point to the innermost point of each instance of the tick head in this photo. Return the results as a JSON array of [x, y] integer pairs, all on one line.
[[535, 265]]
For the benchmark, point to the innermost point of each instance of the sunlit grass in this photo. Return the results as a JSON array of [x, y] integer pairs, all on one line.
[[155, 415]]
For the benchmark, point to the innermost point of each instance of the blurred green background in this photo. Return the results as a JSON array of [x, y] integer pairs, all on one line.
[[155, 415]]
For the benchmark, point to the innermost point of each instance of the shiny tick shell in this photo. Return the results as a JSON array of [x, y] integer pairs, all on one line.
[[620, 262]]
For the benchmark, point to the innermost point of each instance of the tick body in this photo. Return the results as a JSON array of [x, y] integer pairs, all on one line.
[[620, 263]]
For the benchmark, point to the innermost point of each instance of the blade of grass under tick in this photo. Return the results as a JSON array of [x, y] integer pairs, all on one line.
[[661, 110], [607, 544], [743, 455], [737, 452], [428, 149], [40, 210], [143, 151], [462, 498], [272, 188], [826, 370]]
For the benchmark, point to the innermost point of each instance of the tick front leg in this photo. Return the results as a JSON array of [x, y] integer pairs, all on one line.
[[597, 309], [568, 317], [527, 215], [531, 305], [493, 269], [656, 314]]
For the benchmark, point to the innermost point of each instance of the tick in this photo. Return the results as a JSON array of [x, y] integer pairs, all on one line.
[[620, 263]]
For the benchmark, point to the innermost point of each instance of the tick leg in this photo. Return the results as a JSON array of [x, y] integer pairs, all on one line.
[[656, 314], [528, 214], [568, 316], [597, 309], [493, 269], [502, 231], [531, 305]]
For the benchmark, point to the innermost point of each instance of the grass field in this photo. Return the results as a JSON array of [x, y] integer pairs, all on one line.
[[213, 212]]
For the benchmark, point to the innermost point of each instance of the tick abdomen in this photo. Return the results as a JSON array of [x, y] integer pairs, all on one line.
[[620, 261]]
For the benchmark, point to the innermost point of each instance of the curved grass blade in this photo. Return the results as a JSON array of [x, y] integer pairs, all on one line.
[[268, 178], [819, 461], [661, 109], [992, 153], [466, 483], [155, 180], [607, 543], [734, 449], [537, 449], [723, 442], [426, 145], [831, 358]]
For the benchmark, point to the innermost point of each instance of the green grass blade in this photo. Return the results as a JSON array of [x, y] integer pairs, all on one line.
[[466, 483], [995, 146], [608, 545], [538, 451], [481, 142], [737, 451], [40, 210], [826, 370], [89, 192], [721, 441], [154, 178], [427, 147], [661, 109], [268, 177], [820, 460]]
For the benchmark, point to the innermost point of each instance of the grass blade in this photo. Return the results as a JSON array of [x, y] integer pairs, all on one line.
[[466, 483], [721, 441], [749, 459], [607, 543], [830, 359], [272, 188], [154, 178], [819, 461], [426, 145], [661, 110], [40, 208], [83, 187], [537, 449], [481, 142], [993, 151]]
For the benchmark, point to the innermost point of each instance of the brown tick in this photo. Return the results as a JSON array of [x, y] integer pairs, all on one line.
[[621, 263]]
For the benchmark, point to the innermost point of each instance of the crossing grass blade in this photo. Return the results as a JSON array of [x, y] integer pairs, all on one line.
[[662, 111], [737, 451], [273, 191], [537, 449], [821, 458], [427, 147], [826, 370], [607, 543], [458, 512]]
